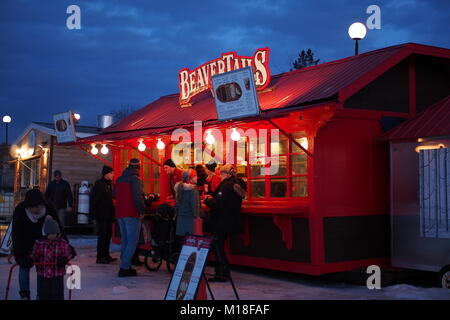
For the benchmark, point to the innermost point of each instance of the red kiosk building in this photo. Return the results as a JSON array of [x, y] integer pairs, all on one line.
[[327, 208]]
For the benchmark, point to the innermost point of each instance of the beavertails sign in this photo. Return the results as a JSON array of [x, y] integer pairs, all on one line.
[[198, 80]]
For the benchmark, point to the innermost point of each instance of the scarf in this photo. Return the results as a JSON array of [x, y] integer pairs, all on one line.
[[35, 217]]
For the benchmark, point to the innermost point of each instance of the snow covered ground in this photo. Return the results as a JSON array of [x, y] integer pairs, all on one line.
[[100, 282]]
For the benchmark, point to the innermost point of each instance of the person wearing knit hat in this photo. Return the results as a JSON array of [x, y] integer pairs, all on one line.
[[130, 206], [211, 165], [106, 169], [51, 254], [134, 163], [102, 210], [175, 175], [213, 179], [51, 227]]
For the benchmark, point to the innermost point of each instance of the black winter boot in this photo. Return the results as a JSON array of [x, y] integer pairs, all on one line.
[[24, 295]]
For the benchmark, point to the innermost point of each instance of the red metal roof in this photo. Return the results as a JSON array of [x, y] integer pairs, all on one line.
[[432, 122], [324, 82]]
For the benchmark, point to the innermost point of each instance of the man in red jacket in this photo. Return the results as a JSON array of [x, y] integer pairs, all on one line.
[[129, 207]]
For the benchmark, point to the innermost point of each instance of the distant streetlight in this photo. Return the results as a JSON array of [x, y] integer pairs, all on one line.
[[357, 31], [77, 116], [6, 121]]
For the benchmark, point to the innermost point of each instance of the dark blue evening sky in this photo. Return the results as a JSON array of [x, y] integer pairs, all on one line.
[[129, 52]]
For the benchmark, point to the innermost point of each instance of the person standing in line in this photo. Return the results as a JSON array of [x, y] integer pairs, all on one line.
[[102, 209], [213, 179], [201, 179], [59, 194], [174, 174], [129, 208], [225, 217], [187, 203]]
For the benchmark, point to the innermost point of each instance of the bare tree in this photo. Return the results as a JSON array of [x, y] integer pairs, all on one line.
[[122, 112]]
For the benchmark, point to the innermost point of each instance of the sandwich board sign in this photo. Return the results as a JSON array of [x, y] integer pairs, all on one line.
[[235, 94], [64, 127], [189, 270]]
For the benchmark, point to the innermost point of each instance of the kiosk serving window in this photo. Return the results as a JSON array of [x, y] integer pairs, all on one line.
[[286, 176]]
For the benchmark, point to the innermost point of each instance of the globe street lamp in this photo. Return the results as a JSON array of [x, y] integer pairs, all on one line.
[[6, 121], [357, 31]]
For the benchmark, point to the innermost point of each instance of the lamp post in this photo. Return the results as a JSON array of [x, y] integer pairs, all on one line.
[[6, 121], [357, 31]]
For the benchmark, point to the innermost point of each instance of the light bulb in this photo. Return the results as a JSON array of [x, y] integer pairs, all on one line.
[[94, 149], [210, 138], [76, 116], [235, 135], [357, 31], [104, 149], [160, 145], [142, 146]]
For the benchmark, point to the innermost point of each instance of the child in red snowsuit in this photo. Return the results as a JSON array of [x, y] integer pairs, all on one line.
[[51, 254]]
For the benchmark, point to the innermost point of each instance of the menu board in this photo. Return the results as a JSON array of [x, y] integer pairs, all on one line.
[[185, 280], [235, 94]]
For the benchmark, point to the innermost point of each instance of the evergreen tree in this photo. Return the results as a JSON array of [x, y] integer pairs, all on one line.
[[305, 59]]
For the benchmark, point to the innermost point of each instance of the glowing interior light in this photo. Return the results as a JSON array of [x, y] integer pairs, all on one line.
[[104, 149], [94, 149], [160, 145], [142, 146], [304, 143], [430, 147], [210, 138], [23, 153], [235, 135]]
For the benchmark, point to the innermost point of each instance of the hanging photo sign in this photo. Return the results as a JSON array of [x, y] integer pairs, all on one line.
[[198, 80], [64, 127], [235, 94]]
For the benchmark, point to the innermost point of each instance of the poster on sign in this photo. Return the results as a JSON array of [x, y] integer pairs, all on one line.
[[6, 245], [189, 270], [235, 94], [64, 127]]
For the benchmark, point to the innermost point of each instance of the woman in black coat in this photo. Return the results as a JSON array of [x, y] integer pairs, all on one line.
[[28, 220], [225, 217]]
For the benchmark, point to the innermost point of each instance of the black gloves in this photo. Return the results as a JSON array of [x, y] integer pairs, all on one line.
[[24, 262]]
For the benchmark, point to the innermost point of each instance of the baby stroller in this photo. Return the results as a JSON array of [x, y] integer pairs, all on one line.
[[163, 243]]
